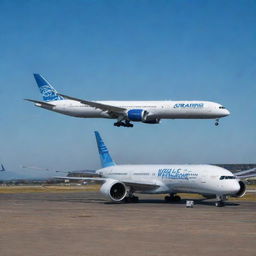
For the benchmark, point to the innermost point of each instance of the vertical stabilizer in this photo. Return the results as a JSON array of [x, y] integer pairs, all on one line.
[[48, 92], [105, 157], [2, 168]]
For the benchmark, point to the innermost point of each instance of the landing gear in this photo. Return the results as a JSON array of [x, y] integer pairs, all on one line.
[[172, 198], [217, 122], [219, 204], [131, 199], [128, 124], [220, 201], [118, 124], [124, 124]]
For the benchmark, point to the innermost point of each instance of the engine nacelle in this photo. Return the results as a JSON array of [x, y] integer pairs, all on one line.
[[141, 115], [241, 191], [114, 190], [149, 120], [136, 114]]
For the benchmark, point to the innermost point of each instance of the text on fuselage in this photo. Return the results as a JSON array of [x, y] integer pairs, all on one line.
[[189, 105], [175, 174]]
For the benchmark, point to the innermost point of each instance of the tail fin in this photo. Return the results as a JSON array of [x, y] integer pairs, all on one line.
[[105, 157], [48, 92], [3, 169]]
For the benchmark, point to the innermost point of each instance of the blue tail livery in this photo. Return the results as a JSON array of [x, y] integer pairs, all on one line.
[[2, 168], [105, 157], [48, 92]]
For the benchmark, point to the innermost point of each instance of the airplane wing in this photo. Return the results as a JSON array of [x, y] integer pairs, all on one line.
[[246, 174], [101, 180], [138, 186], [103, 107], [42, 103]]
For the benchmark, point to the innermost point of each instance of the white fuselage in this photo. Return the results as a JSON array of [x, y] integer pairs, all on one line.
[[155, 109], [201, 179]]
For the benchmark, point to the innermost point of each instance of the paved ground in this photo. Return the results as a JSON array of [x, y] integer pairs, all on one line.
[[85, 224]]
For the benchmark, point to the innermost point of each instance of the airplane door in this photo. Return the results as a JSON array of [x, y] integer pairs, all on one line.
[[203, 179]]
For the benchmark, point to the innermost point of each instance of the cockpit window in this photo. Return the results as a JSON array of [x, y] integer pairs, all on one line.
[[227, 177], [222, 107]]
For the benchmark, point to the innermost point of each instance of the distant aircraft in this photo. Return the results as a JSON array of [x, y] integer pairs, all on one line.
[[2, 168], [125, 112], [120, 182]]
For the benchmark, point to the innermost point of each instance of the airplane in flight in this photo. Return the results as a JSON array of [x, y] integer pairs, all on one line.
[[120, 182], [125, 112]]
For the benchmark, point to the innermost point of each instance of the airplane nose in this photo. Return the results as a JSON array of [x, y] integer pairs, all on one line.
[[227, 113], [231, 187], [236, 186]]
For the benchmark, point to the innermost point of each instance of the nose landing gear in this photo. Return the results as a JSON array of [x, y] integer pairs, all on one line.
[[220, 201], [217, 122]]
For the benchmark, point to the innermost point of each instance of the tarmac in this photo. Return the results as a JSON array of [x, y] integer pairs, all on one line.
[[84, 223]]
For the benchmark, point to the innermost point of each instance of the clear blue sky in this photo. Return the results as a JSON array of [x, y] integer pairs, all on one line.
[[127, 50]]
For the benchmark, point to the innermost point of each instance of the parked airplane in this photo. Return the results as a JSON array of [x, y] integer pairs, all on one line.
[[125, 112], [120, 182]]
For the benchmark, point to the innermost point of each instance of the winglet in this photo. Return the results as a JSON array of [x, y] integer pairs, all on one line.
[[48, 92], [105, 157]]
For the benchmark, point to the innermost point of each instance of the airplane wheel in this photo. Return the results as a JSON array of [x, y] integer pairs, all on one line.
[[167, 199], [127, 200], [131, 199], [117, 124], [219, 204], [176, 198], [128, 124], [135, 199], [170, 199], [216, 124]]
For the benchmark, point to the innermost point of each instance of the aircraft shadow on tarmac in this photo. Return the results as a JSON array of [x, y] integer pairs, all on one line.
[[182, 202], [203, 202]]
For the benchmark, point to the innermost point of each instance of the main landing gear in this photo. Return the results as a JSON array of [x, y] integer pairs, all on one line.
[[217, 122], [220, 201], [172, 198], [131, 199], [124, 124]]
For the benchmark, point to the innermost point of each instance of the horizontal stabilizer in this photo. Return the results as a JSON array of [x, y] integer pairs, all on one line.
[[41, 103]]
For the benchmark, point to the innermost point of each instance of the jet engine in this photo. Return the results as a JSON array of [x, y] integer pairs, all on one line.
[[114, 190], [151, 120], [241, 191], [141, 115], [136, 114]]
